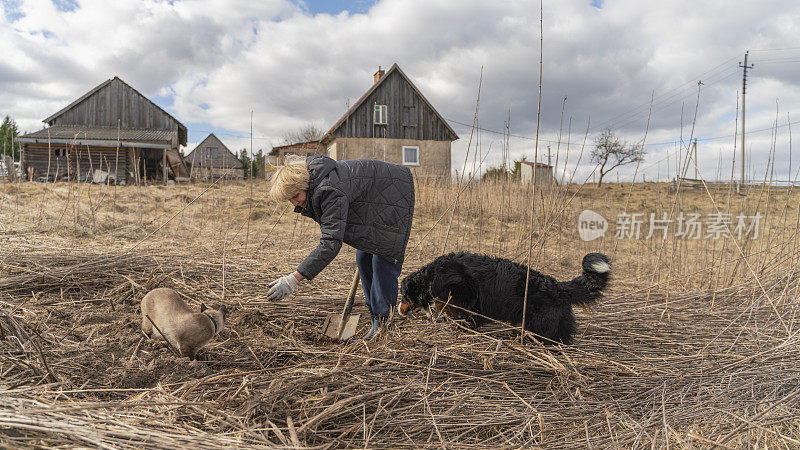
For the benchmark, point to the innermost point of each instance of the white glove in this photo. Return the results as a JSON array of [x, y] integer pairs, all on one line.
[[282, 287]]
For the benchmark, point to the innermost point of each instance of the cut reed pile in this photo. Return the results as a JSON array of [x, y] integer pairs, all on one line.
[[695, 344], [695, 369]]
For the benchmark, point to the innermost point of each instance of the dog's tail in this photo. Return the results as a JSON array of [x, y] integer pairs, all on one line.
[[587, 288]]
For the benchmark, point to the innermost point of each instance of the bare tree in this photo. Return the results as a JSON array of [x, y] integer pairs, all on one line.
[[306, 133], [611, 152]]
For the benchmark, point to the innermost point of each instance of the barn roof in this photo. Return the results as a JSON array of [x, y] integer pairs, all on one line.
[[307, 145], [100, 133], [372, 89], [181, 127], [100, 136]]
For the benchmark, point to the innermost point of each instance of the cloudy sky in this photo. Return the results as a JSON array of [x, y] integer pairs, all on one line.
[[292, 62]]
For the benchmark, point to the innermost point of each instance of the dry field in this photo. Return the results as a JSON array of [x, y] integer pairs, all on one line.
[[694, 346]]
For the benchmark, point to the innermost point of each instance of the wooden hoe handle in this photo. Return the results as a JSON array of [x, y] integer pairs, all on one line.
[[348, 306]]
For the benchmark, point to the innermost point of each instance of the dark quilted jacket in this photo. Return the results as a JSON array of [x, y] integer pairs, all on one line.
[[364, 203]]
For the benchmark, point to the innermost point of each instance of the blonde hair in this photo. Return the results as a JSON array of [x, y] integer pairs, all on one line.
[[289, 179]]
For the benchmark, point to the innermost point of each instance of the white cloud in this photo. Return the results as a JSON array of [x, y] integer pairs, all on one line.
[[218, 60]]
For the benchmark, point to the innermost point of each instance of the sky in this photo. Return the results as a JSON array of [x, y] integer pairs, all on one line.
[[214, 64]]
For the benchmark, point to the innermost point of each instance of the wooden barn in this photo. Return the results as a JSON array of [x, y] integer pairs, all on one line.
[[278, 154], [393, 122], [112, 132], [212, 159]]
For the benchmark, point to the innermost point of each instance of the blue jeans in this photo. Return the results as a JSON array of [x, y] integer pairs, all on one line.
[[379, 281]]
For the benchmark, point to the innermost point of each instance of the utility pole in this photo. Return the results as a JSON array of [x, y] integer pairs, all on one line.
[[744, 89], [695, 158], [549, 162]]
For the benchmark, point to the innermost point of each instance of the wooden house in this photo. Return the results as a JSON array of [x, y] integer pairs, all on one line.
[[277, 155], [212, 159], [544, 173], [112, 130], [393, 122]]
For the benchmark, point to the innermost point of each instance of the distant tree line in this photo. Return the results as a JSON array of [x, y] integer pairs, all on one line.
[[256, 169], [8, 135]]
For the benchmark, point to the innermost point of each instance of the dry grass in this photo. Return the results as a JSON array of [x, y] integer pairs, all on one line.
[[694, 345]]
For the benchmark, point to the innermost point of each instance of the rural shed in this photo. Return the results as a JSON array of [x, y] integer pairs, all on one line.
[[212, 159], [395, 123], [278, 154], [112, 128], [544, 173]]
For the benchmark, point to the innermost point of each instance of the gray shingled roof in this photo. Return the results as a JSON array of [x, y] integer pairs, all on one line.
[[103, 134]]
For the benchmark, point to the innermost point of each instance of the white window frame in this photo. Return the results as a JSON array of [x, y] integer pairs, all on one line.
[[410, 163], [379, 115]]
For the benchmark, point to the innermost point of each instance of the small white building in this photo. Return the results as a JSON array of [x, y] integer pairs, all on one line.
[[544, 173]]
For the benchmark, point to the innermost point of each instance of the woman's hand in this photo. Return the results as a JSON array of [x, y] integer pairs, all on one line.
[[284, 286]]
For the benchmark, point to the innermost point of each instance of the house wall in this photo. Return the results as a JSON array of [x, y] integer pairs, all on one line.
[[77, 164], [300, 152], [333, 151], [434, 156]]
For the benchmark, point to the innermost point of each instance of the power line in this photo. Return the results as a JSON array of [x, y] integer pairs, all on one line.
[[520, 136], [225, 133], [775, 49], [761, 63], [713, 75], [664, 104], [685, 90], [668, 93], [653, 144]]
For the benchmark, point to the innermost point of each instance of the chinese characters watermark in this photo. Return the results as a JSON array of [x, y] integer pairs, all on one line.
[[592, 225]]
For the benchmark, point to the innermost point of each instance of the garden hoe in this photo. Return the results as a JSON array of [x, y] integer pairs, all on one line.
[[343, 327]]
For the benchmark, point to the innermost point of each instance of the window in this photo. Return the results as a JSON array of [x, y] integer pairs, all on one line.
[[410, 155], [409, 116], [212, 152], [380, 115], [60, 152]]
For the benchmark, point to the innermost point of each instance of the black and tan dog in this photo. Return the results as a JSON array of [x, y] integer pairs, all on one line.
[[187, 331], [494, 288]]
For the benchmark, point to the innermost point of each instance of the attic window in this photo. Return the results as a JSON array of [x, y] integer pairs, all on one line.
[[409, 116], [212, 152], [380, 115]]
